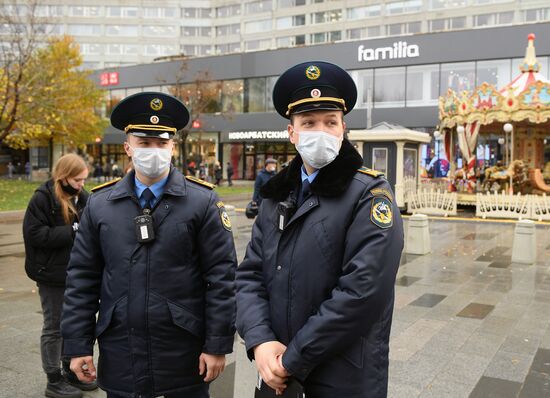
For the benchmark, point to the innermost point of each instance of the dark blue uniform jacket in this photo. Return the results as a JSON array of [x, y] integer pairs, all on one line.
[[325, 285], [160, 303], [261, 179]]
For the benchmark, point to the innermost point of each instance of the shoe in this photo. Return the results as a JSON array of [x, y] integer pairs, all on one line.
[[71, 378], [62, 389]]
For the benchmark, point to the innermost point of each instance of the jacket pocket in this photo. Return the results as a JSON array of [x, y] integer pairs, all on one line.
[[105, 317], [185, 319], [323, 240], [354, 354]]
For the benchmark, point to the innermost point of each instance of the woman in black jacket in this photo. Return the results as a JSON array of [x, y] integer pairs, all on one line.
[[49, 228]]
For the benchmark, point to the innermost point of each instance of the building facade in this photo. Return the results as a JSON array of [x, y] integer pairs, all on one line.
[[399, 80], [123, 32]]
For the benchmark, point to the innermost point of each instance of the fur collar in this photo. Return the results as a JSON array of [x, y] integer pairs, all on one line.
[[332, 180]]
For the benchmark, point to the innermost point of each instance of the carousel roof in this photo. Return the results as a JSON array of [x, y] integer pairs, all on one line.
[[529, 71], [526, 98]]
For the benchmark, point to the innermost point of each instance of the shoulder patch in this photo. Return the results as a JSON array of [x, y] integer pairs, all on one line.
[[370, 172], [105, 185], [382, 192], [200, 182], [381, 213], [224, 217]]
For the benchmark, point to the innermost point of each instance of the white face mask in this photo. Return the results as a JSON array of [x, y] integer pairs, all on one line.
[[318, 148], [151, 162]]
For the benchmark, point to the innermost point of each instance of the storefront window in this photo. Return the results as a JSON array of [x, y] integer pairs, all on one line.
[[364, 81], [270, 82], [232, 96], [115, 97], [493, 72], [203, 97], [389, 87], [422, 85], [457, 76], [380, 159], [543, 61], [410, 162], [255, 95]]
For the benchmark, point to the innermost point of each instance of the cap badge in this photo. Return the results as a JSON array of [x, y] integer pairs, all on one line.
[[156, 104], [313, 72], [154, 119], [315, 93]]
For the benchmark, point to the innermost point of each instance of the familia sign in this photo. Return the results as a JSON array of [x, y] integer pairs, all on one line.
[[400, 49]]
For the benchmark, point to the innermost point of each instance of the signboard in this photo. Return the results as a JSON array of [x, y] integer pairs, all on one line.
[[259, 135], [108, 79]]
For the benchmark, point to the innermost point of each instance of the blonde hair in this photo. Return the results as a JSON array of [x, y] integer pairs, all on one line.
[[68, 166]]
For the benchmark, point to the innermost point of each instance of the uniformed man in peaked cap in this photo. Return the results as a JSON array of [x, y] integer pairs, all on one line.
[[155, 256], [315, 291]]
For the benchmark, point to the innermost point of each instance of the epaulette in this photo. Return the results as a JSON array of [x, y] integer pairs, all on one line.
[[107, 184], [370, 172], [201, 182]]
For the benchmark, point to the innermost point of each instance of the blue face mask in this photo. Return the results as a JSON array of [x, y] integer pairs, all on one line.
[[318, 148]]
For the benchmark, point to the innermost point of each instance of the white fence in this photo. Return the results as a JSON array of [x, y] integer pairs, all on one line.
[[504, 205], [432, 202]]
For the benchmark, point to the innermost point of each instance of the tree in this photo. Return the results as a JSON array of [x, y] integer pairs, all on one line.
[[201, 95], [44, 97]]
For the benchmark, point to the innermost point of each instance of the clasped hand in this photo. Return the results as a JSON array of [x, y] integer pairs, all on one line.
[[268, 357]]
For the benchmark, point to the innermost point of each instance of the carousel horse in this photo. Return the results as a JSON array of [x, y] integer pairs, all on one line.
[[495, 174]]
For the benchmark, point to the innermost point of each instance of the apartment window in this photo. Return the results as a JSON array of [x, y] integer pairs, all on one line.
[[357, 33], [457, 76], [225, 30], [327, 16], [493, 72], [152, 49], [317, 38], [205, 50], [258, 6], [389, 87], [121, 30], [290, 3], [114, 49], [159, 31], [189, 50], [189, 31], [206, 31], [160, 12], [401, 7], [458, 23], [437, 24], [84, 30], [374, 31], [440, 4], [121, 12], [263, 25], [228, 48], [91, 48], [131, 49], [484, 19], [228, 11], [167, 49], [81, 11], [394, 29], [363, 12], [505, 17], [300, 40], [255, 45], [414, 27], [49, 11], [49, 29], [335, 36], [255, 95], [289, 41], [422, 85], [539, 14]]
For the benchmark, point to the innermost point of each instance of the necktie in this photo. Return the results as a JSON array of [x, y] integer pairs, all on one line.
[[304, 192], [148, 196]]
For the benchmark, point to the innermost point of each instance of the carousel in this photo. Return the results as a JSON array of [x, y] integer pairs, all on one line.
[[519, 115]]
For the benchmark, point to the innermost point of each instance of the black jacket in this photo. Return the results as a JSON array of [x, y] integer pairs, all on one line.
[[48, 240], [160, 303], [324, 286], [261, 179]]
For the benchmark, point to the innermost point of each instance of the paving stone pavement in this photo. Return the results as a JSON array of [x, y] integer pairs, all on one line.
[[467, 323]]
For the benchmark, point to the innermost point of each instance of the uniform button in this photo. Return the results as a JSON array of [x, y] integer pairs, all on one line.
[[166, 207], [279, 267], [310, 204], [134, 261]]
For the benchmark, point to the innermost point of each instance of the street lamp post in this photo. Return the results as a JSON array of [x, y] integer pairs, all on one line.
[[509, 129]]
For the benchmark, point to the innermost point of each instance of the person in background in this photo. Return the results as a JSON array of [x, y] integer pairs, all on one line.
[[218, 172], [28, 170], [262, 178], [11, 169], [229, 170], [49, 227]]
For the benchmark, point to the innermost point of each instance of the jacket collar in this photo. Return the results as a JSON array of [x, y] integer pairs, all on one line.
[[175, 186], [332, 180]]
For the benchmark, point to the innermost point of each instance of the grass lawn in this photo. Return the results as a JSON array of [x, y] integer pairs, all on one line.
[[15, 194]]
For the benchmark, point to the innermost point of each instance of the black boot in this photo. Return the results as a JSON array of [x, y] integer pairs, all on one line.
[[57, 387], [71, 378]]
